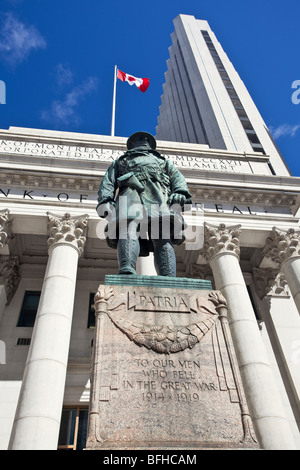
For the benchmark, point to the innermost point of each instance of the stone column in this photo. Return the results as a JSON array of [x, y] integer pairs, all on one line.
[[282, 324], [5, 235], [283, 249], [221, 250], [5, 227], [37, 420], [9, 275]]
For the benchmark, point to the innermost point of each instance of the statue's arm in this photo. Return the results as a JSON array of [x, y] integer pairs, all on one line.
[[179, 192]]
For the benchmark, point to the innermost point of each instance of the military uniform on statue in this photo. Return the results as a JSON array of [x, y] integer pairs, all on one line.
[[142, 195]]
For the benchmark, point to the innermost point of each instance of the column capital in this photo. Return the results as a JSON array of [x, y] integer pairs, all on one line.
[[67, 230], [282, 245], [200, 271], [221, 239], [270, 282], [5, 227]]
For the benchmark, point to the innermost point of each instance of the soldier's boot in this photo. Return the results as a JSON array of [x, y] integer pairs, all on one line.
[[164, 258], [128, 251]]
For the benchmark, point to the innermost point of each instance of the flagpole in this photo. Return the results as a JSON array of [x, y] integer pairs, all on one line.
[[114, 104]]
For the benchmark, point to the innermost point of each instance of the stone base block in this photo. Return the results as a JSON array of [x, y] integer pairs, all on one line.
[[164, 371]]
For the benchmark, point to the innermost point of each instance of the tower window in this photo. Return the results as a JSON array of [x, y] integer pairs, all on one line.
[[256, 145], [252, 137], [246, 124]]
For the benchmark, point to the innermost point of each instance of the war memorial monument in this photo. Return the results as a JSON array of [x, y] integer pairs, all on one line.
[[164, 368]]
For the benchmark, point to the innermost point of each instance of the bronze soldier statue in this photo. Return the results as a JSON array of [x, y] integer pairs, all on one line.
[[142, 195]]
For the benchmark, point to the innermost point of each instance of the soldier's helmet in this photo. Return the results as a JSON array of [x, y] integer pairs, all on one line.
[[136, 139]]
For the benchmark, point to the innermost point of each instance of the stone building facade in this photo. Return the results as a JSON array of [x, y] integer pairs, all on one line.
[[54, 253]]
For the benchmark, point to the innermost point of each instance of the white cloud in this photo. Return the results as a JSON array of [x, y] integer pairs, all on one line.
[[284, 130], [64, 111], [17, 41], [63, 75]]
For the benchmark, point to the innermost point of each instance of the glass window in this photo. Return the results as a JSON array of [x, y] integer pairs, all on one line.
[[228, 83], [246, 124], [241, 113], [29, 308], [91, 316], [217, 60], [211, 47], [257, 147], [236, 103], [253, 138], [67, 428], [220, 67], [73, 429], [224, 74], [82, 429], [232, 93]]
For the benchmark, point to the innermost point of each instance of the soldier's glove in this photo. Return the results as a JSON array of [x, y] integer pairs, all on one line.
[[176, 198]]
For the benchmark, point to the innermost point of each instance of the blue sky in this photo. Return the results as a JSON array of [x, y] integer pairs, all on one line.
[[57, 60]]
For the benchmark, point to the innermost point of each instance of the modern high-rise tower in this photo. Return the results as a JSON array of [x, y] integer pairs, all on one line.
[[205, 101]]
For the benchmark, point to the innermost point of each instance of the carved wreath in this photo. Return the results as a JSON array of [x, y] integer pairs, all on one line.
[[165, 339]]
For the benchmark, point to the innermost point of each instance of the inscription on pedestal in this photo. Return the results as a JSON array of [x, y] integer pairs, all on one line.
[[159, 303], [168, 379], [164, 372]]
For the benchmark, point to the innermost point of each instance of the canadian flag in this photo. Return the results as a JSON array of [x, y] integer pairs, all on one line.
[[141, 83]]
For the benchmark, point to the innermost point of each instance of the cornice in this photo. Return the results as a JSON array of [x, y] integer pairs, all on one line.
[[45, 180], [72, 174], [84, 139], [276, 196], [62, 138], [249, 181]]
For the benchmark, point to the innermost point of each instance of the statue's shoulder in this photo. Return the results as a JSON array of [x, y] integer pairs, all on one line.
[[159, 155], [140, 152]]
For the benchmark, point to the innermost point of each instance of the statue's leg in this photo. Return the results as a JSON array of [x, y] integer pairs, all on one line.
[[164, 257], [128, 249]]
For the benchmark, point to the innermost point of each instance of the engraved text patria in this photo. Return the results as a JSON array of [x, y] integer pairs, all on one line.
[[158, 303]]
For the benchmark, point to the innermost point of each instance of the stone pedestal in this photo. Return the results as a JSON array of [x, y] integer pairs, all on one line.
[[164, 374]]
